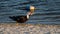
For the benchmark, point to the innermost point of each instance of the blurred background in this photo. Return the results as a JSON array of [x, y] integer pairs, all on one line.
[[48, 13]]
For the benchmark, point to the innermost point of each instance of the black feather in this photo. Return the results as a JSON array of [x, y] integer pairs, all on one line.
[[19, 19]]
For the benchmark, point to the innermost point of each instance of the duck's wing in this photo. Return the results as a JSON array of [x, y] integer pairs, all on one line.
[[15, 18], [19, 19]]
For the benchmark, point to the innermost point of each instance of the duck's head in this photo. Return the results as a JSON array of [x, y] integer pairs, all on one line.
[[30, 8]]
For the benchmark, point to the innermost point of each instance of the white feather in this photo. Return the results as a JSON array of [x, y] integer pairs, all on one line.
[[27, 16]]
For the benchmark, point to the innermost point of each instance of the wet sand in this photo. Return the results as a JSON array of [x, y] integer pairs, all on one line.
[[29, 29]]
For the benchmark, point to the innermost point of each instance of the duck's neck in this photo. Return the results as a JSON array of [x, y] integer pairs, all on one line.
[[29, 14]]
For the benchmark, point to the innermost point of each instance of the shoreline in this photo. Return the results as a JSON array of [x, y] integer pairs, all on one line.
[[29, 29], [23, 24]]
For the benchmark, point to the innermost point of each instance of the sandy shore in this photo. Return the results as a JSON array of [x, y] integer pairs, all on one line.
[[29, 29]]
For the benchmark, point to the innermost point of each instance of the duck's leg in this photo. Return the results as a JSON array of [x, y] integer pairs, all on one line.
[[17, 24]]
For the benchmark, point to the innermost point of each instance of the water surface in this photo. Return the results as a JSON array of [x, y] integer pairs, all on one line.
[[48, 13]]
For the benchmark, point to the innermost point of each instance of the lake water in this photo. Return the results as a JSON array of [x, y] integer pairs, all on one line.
[[48, 13]]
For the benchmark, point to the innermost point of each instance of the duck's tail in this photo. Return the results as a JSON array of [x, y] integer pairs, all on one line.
[[13, 18]]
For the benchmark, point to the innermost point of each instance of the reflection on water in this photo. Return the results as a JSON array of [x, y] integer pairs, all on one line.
[[48, 11]]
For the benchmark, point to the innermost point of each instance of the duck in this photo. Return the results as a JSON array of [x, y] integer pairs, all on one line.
[[23, 19], [20, 19]]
